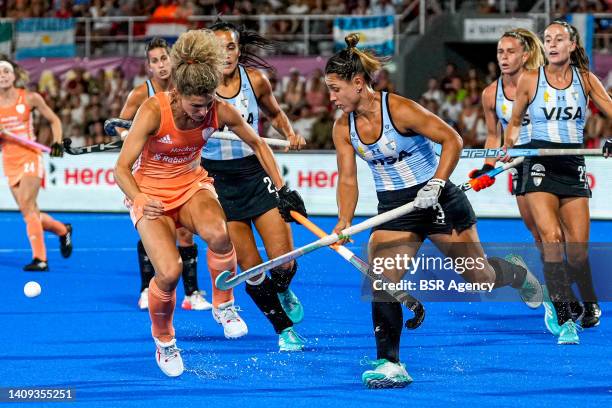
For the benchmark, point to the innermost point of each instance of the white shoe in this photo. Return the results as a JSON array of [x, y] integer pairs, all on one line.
[[196, 301], [168, 358], [227, 316], [143, 301]]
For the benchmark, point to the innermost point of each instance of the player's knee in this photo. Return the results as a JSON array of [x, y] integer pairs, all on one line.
[[552, 236], [184, 237], [167, 274], [218, 240]]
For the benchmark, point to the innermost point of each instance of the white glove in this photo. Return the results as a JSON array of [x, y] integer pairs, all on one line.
[[428, 196]]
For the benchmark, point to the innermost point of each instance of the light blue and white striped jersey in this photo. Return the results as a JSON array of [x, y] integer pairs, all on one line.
[[503, 109], [246, 103], [397, 161], [558, 115], [150, 88]]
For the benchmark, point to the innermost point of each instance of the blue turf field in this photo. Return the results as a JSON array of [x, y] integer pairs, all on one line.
[[86, 333]]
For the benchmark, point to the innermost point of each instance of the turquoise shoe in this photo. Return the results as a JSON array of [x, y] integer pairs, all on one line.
[[386, 375], [531, 291], [550, 315], [290, 340], [569, 333], [292, 306]]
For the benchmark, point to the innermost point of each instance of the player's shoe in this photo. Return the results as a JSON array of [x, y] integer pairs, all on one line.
[[550, 315], [227, 316], [143, 300], [290, 340], [591, 315], [66, 242], [168, 358], [531, 291], [196, 301], [569, 333], [577, 310], [292, 306], [36, 266], [386, 375]]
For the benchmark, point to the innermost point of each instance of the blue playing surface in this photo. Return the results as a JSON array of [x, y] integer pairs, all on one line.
[[85, 332]]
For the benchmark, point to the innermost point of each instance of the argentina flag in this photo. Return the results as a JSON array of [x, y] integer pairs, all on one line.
[[45, 37], [375, 33]]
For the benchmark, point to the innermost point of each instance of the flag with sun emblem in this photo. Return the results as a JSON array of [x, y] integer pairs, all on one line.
[[45, 37], [375, 33]]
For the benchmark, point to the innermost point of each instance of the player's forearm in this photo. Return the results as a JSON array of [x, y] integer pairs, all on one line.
[[511, 135], [492, 141], [266, 158], [451, 151], [126, 182], [56, 130], [346, 197], [282, 125]]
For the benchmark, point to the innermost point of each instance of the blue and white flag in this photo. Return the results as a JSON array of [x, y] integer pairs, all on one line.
[[45, 37], [585, 24], [375, 33]]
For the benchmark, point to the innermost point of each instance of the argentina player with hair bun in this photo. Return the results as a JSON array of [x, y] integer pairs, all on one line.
[[556, 188], [394, 136]]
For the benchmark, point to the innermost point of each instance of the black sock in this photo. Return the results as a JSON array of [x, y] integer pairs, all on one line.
[[387, 318], [189, 255], [581, 274], [559, 289], [507, 273], [281, 277], [147, 272], [265, 297]]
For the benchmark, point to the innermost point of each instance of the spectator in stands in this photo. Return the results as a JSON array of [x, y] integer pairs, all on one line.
[[492, 73], [293, 90], [302, 122], [382, 82], [451, 73], [433, 92], [299, 8], [185, 9], [141, 77], [457, 85], [64, 10], [467, 122], [38, 9], [316, 92], [321, 131], [451, 108], [166, 10], [381, 8], [336, 7], [94, 127], [361, 8], [21, 9], [474, 91]]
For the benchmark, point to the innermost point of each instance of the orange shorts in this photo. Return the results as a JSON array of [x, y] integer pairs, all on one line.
[[27, 164], [173, 198]]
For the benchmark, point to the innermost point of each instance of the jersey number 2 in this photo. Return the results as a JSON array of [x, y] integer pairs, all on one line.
[[271, 188]]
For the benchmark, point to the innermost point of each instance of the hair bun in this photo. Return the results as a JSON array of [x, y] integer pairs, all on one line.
[[352, 40]]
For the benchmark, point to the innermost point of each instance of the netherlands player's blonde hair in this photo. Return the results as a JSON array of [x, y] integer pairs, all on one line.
[[531, 45], [197, 61]]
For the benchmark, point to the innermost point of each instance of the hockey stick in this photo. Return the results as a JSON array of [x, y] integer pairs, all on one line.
[[95, 148], [400, 295], [491, 173], [111, 124], [494, 153], [8, 135], [224, 281]]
